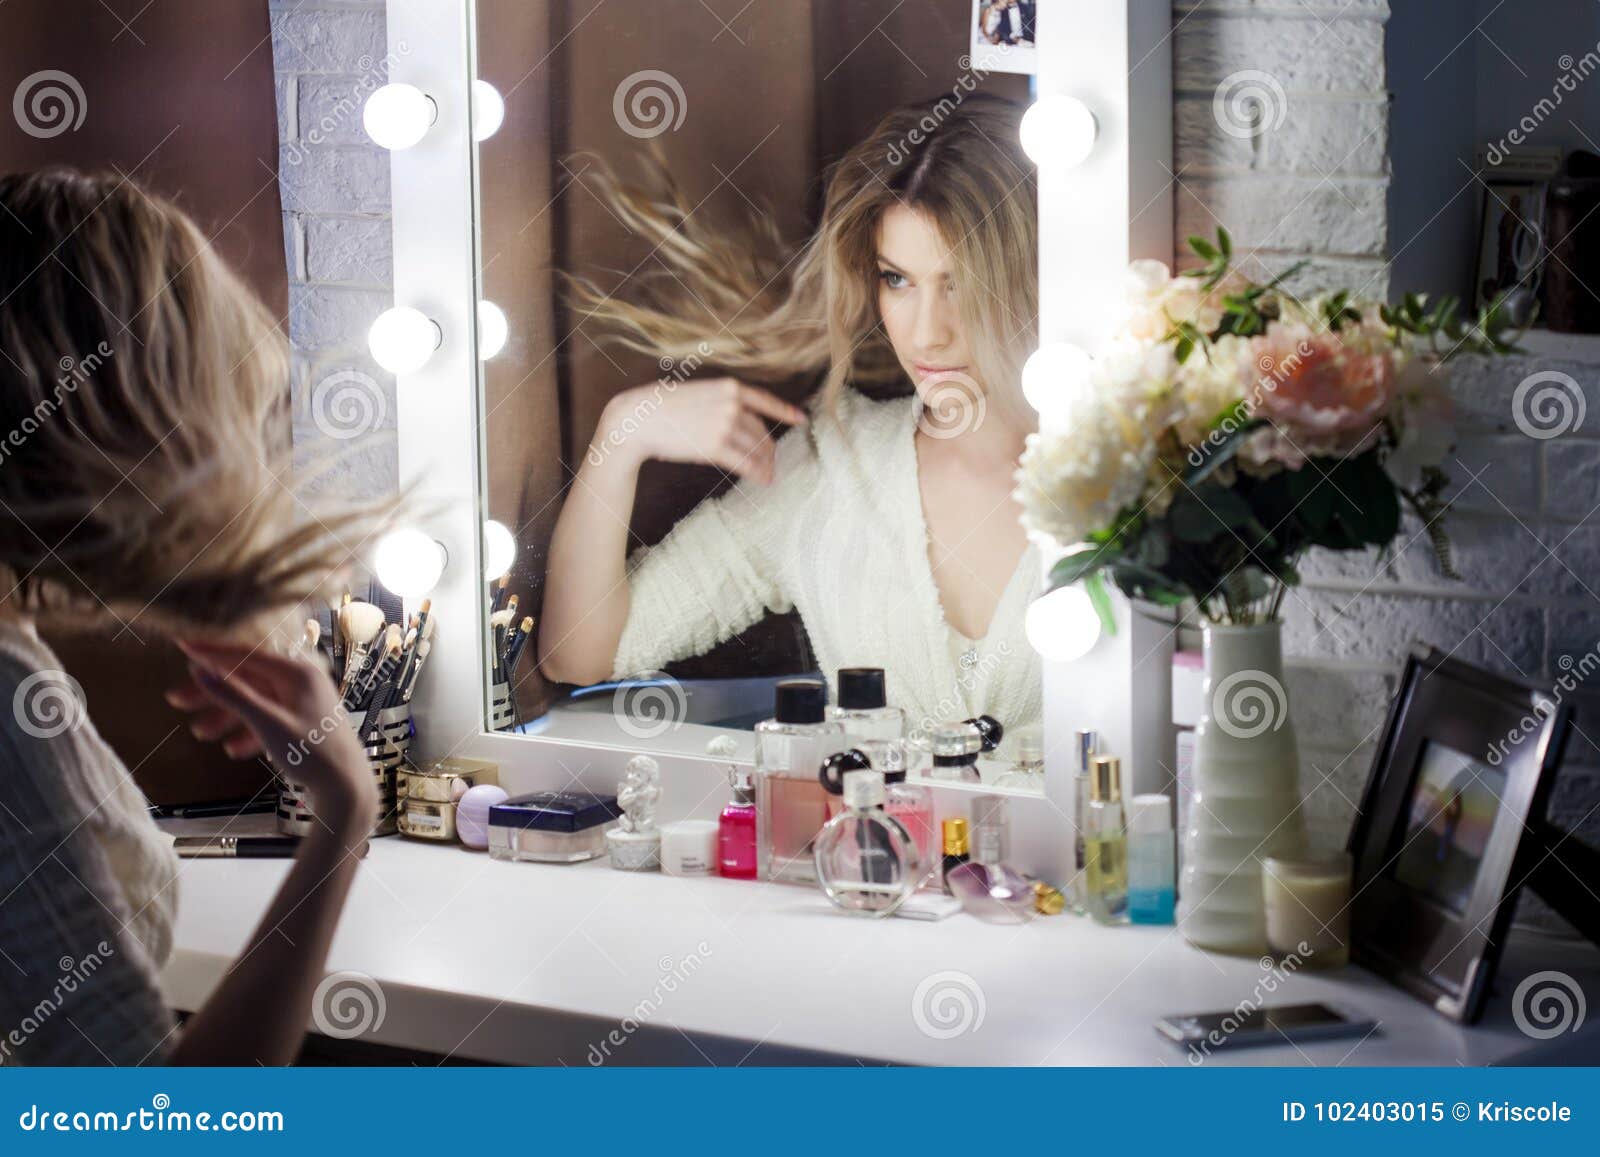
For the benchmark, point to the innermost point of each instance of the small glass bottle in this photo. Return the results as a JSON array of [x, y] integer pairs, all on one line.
[[863, 706], [1105, 874], [956, 747], [791, 805], [736, 827], [1152, 860], [866, 861], [1026, 772], [956, 848], [1085, 744], [991, 829]]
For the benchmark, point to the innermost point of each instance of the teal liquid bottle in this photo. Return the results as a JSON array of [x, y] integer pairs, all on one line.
[[1152, 860]]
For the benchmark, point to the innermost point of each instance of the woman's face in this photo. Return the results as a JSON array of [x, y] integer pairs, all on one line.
[[917, 301]]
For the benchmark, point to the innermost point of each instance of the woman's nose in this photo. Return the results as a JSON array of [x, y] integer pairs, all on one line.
[[934, 322]]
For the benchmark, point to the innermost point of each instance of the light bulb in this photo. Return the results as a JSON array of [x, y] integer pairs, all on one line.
[[403, 339], [492, 330], [1063, 625], [488, 110], [409, 562], [499, 549], [1055, 376], [1057, 130], [397, 116]]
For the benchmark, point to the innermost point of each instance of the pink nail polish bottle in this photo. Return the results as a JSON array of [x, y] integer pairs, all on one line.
[[736, 828]]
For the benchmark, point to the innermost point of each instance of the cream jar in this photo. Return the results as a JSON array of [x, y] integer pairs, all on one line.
[[426, 796]]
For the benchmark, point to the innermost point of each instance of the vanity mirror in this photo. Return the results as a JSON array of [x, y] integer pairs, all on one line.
[[749, 373]]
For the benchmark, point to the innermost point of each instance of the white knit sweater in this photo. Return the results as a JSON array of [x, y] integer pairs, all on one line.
[[87, 881], [840, 535]]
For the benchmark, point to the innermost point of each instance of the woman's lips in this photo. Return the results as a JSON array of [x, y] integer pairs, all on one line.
[[926, 372]]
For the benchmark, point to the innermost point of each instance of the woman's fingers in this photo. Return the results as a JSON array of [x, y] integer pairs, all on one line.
[[768, 404], [232, 693]]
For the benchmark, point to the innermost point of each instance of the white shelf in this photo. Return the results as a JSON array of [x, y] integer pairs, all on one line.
[[1571, 347]]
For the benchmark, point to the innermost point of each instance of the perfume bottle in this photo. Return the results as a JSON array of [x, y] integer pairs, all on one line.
[[1085, 744], [736, 827], [1152, 860], [956, 848], [1026, 772], [1105, 874], [791, 804], [911, 804], [863, 706], [986, 886], [866, 861], [956, 747]]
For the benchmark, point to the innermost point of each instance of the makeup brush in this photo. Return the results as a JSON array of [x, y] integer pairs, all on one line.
[[376, 691], [386, 661], [311, 636], [501, 586], [416, 669], [514, 647], [499, 624], [336, 636], [359, 623], [511, 605]]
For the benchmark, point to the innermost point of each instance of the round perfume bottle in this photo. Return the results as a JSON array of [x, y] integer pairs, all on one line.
[[867, 863]]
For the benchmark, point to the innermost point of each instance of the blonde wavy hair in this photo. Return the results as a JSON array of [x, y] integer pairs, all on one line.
[[145, 433], [771, 312]]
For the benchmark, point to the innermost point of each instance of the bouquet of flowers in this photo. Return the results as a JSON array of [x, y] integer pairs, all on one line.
[[1231, 426]]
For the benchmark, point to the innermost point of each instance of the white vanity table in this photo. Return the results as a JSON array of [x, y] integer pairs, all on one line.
[[484, 960]]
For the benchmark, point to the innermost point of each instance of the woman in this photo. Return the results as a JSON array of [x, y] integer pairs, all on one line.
[[144, 395], [889, 522]]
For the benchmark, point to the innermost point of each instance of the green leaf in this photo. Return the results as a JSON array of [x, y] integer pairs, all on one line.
[[1203, 514], [1080, 564], [1203, 247], [1221, 451], [1225, 241], [1095, 587]]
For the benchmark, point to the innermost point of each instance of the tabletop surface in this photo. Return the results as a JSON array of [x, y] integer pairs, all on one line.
[[482, 959]]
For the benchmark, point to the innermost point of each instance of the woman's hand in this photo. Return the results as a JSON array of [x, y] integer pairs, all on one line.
[[720, 422], [258, 702]]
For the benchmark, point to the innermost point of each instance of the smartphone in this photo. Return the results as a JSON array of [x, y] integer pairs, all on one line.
[[1238, 1028]]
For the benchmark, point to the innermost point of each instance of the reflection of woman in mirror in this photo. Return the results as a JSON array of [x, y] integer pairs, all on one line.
[[887, 521]]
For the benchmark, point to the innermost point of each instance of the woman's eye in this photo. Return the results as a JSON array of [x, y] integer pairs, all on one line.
[[892, 279]]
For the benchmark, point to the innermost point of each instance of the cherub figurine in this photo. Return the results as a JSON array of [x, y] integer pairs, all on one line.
[[637, 797]]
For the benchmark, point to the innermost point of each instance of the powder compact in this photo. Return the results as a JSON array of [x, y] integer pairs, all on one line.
[[552, 827]]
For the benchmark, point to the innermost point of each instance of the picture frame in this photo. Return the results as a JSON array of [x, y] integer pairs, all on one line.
[[1450, 828], [1004, 36], [1511, 245]]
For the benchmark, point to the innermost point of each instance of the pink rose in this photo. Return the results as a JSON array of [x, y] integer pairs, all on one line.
[[1321, 396]]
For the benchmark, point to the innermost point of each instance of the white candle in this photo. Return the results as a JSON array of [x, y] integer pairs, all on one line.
[[1308, 908]]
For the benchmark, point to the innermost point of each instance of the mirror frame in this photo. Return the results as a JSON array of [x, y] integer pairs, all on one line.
[[1115, 55]]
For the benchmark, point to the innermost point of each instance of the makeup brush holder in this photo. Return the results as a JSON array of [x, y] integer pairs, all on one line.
[[386, 745], [502, 708]]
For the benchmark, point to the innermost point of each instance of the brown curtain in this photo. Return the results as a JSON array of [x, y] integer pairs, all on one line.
[[774, 90], [178, 96]]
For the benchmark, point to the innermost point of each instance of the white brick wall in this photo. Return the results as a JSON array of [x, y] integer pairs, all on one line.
[[328, 54], [1311, 183]]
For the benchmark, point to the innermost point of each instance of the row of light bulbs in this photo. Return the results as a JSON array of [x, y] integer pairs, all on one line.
[[398, 116], [1057, 131]]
